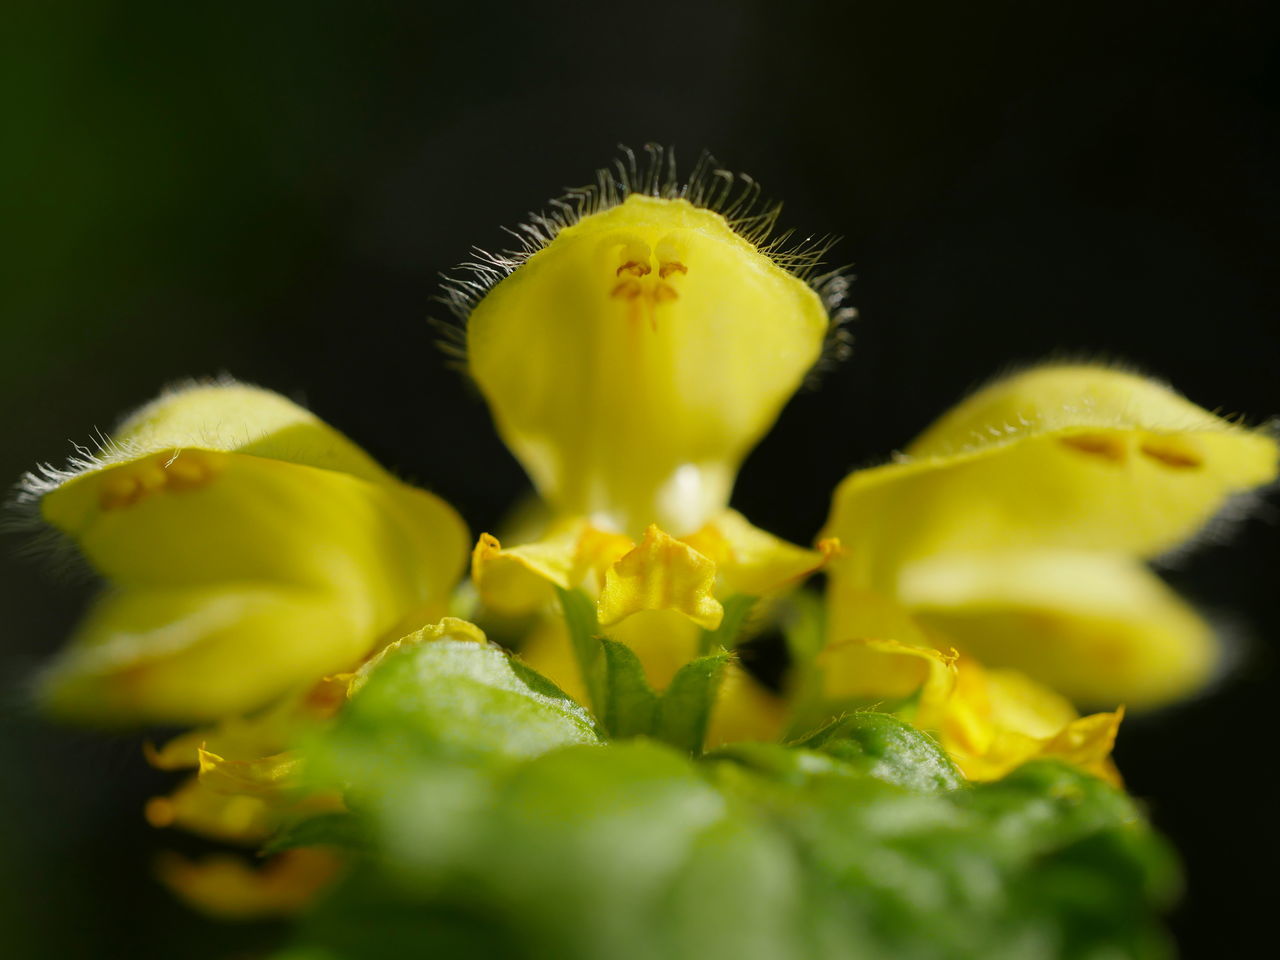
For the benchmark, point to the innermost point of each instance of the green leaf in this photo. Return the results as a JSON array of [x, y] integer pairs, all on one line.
[[884, 747], [624, 852], [685, 707], [497, 824], [467, 699], [372, 916], [737, 610], [998, 870]]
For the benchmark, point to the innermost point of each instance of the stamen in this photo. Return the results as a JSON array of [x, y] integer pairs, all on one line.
[[1105, 446], [627, 290], [126, 485], [117, 491], [1172, 453], [188, 472]]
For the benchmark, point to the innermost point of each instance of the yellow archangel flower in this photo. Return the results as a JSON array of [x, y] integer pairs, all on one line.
[[643, 343], [632, 355], [989, 721], [1018, 527], [249, 550]]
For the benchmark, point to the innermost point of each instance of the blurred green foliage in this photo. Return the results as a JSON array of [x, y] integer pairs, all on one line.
[[492, 819]]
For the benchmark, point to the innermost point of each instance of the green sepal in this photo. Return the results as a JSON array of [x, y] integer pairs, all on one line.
[[804, 625], [623, 700], [343, 830], [684, 711], [737, 610], [630, 704], [678, 716], [802, 617], [584, 634]]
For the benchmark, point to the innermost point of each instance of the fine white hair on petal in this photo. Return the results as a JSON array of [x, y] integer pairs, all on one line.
[[735, 196], [22, 509], [104, 451]]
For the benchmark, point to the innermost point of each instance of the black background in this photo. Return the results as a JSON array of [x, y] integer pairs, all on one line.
[[272, 190]]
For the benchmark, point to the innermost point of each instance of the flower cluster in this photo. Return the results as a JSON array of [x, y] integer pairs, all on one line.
[[983, 585]]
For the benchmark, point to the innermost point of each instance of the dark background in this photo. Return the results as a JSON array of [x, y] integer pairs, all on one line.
[[272, 190]]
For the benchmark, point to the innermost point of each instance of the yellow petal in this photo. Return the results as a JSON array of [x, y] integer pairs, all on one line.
[[995, 720], [1087, 743], [1073, 457], [1099, 628], [1016, 701], [576, 554], [226, 886], [237, 577], [663, 641], [876, 650], [240, 801], [521, 578], [661, 573], [751, 561], [745, 710], [989, 721], [264, 733], [192, 655], [632, 362], [179, 752], [197, 808], [263, 777]]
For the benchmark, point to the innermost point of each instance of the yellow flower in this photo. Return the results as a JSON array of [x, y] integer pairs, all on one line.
[[989, 721], [248, 782], [250, 551], [1019, 524], [249, 548], [226, 886], [656, 596], [631, 357], [744, 708]]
